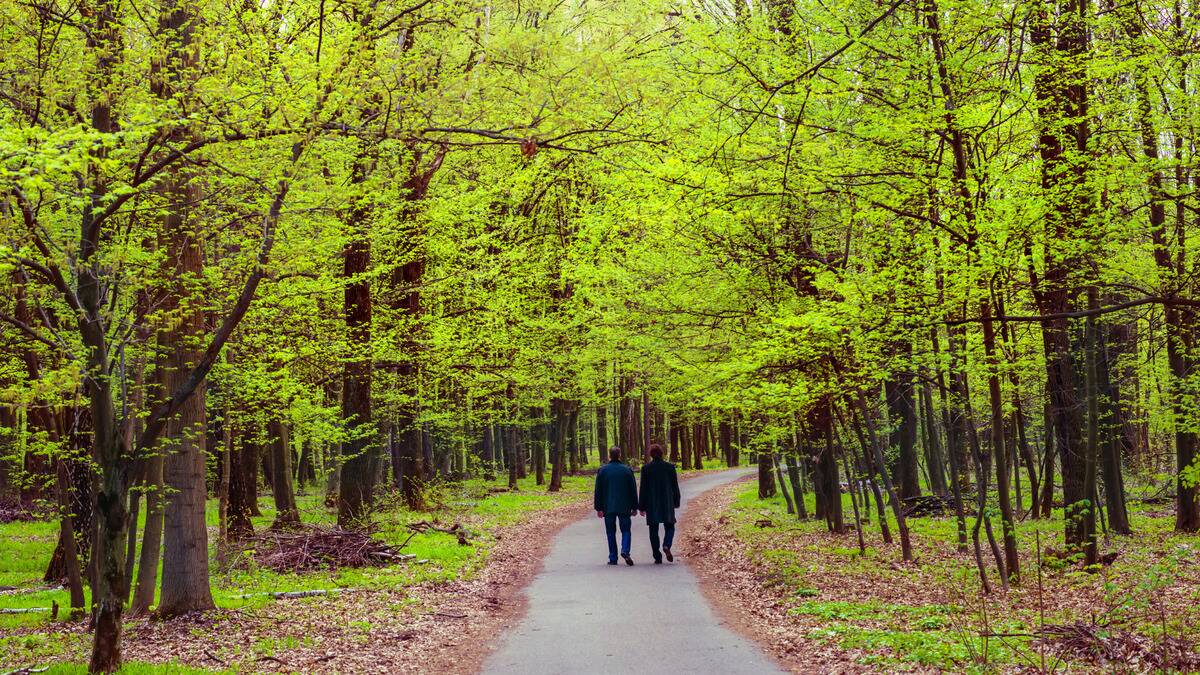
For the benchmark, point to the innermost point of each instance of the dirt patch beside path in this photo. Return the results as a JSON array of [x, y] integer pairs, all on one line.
[[429, 628], [735, 585]]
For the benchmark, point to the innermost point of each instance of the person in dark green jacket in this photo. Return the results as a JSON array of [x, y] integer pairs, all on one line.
[[658, 499], [616, 500]]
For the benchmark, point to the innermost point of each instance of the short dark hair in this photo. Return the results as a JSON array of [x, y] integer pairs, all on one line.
[[614, 453], [656, 451]]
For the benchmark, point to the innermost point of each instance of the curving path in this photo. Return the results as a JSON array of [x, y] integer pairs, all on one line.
[[587, 617]]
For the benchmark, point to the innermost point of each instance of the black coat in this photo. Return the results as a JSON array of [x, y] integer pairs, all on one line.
[[659, 496], [616, 489]]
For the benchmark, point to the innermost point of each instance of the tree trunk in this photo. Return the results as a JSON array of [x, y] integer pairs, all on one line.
[[933, 446], [1008, 523], [783, 487], [557, 440], [881, 469], [489, 453], [151, 548], [1111, 436], [287, 516], [243, 485], [602, 442], [902, 415], [357, 484], [766, 478]]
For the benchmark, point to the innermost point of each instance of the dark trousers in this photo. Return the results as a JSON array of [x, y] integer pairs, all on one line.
[[668, 537], [610, 529]]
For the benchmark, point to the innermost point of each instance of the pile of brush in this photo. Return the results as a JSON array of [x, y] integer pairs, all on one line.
[[1108, 646], [315, 547]]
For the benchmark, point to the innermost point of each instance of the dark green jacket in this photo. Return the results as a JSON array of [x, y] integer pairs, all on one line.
[[659, 495], [616, 489]]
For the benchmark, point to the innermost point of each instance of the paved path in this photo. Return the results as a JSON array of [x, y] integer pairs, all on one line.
[[587, 617]]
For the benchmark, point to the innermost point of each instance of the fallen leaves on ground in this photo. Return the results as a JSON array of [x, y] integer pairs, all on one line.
[[806, 594]]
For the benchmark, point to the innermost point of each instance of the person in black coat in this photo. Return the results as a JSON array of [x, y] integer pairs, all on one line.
[[616, 500], [658, 499]]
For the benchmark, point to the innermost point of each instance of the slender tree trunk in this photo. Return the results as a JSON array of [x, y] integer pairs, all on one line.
[[151, 549], [787, 497], [66, 538], [1092, 392], [880, 467], [1008, 523], [602, 442], [793, 472], [933, 447], [557, 440]]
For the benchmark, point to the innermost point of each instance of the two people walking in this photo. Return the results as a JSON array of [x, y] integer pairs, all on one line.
[[617, 498]]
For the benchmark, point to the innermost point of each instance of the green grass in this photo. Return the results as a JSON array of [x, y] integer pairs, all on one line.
[[899, 636]]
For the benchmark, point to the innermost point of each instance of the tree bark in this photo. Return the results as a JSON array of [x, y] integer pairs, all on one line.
[[357, 484], [287, 516], [999, 447]]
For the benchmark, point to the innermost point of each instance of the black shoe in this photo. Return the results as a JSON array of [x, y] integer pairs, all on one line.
[[658, 561], [628, 560], [670, 558], [612, 562]]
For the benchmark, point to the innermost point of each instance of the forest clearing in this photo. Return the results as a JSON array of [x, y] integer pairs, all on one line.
[[321, 322]]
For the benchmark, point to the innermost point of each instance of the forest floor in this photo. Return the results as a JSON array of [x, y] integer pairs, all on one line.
[[817, 604], [432, 613]]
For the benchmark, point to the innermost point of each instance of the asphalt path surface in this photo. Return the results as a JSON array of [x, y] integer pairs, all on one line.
[[585, 616]]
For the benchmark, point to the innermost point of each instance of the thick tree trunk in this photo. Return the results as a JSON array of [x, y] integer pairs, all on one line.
[[185, 584], [357, 484], [1061, 94], [766, 478], [829, 477], [489, 453], [287, 516], [243, 485], [903, 416], [725, 440], [1111, 437]]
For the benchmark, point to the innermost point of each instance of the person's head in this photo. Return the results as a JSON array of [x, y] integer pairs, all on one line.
[[656, 451], [614, 454]]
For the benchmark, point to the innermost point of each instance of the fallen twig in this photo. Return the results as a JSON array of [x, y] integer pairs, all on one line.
[[281, 595]]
